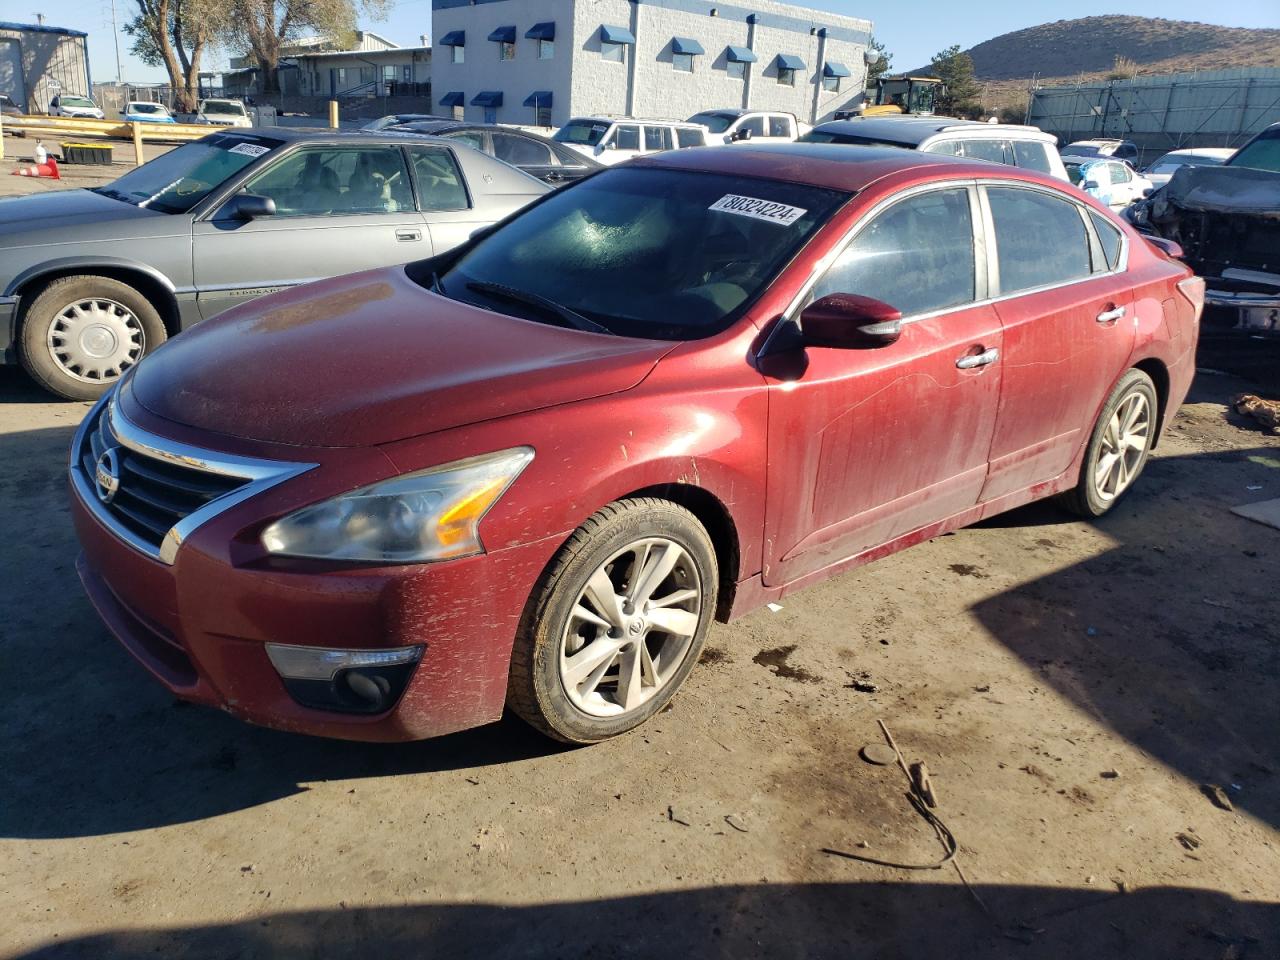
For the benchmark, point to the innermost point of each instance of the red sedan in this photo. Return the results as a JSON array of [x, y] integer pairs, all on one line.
[[531, 471]]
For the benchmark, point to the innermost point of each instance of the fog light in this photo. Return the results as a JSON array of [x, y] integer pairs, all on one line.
[[348, 681]]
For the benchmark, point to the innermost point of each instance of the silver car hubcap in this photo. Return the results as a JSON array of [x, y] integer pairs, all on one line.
[[630, 628], [95, 340], [1124, 442]]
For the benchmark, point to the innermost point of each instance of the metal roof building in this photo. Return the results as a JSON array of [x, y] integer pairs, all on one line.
[[38, 62]]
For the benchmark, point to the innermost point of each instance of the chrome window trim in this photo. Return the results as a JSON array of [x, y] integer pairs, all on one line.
[[260, 474]]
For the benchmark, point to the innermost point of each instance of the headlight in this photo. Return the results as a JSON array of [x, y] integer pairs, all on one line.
[[427, 515]]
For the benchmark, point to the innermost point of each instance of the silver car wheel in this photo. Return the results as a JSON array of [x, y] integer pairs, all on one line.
[[95, 340], [1124, 443], [630, 628]]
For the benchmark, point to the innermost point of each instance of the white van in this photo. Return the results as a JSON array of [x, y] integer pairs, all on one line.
[[756, 126], [611, 140]]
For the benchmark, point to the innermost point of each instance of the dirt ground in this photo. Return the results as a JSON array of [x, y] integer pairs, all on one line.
[[1072, 687]]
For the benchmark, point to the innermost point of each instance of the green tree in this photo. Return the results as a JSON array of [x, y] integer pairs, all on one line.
[[879, 67], [954, 68], [174, 34], [261, 28]]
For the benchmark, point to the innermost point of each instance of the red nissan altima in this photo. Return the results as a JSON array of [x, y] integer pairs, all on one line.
[[530, 471]]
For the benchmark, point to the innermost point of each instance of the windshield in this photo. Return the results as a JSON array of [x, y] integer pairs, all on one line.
[[222, 106], [1172, 161], [1261, 154], [663, 254], [75, 101], [831, 136], [714, 121], [176, 181], [1076, 150], [143, 108], [587, 132]]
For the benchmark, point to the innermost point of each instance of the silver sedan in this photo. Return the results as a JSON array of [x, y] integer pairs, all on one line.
[[93, 280]]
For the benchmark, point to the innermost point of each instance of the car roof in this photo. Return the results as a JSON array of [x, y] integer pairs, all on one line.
[[1202, 152], [919, 129], [604, 118], [329, 135], [830, 165]]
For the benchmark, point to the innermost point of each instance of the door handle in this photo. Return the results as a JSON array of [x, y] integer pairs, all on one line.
[[1107, 316], [971, 360], [406, 234]]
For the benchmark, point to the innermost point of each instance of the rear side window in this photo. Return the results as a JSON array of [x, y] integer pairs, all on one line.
[[657, 138], [1032, 155], [520, 152], [1040, 239], [779, 127], [439, 180], [1109, 237], [686, 137], [917, 255], [991, 150]]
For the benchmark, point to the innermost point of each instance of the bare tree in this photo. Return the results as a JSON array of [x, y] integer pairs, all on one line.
[[175, 34]]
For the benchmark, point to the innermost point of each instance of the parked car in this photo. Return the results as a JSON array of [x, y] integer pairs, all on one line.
[[386, 505], [8, 107], [1112, 182], [144, 111], [1160, 171], [395, 119], [92, 280], [611, 140], [1227, 221], [1019, 146], [67, 105], [537, 156], [225, 113], [757, 126], [1115, 149]]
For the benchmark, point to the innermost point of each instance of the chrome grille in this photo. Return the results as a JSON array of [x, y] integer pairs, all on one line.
[[152, 492]]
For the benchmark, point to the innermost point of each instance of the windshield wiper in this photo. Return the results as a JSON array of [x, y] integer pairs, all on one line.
[[503, 292]]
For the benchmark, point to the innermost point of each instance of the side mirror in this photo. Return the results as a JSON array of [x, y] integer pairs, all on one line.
[[848, 321], [743, 134], [249, 206], [602, 147], [1090, 185]]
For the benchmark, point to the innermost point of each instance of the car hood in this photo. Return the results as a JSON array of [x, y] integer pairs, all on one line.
[[42, 217], [371, 358]]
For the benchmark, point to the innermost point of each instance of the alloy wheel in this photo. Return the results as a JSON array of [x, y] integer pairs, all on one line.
[[1124, 444]]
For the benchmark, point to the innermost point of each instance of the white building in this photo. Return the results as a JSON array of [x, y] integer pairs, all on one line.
[[544, 61], [319, 67]]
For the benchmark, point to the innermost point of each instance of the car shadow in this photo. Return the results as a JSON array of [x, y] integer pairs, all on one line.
[[836, 920]]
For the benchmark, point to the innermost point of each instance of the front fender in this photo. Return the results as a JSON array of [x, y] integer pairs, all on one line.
[[62, 266]]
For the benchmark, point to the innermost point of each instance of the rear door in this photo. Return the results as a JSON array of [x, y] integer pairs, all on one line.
[[868, 445], [1066, 306], [534, 158], [339, 209]]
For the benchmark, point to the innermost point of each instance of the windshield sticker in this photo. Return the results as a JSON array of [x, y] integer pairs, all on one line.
[[780, 213], [249, 149]]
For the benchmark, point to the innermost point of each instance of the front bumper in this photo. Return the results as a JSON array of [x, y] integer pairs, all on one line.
[[200, 623]]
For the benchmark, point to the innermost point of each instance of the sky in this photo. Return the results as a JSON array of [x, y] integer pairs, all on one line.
[[912, 31]]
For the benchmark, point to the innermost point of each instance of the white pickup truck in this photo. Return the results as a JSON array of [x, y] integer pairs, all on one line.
[[740, 126]]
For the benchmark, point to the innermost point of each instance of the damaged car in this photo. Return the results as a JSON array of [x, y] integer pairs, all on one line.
[[1227, 221]]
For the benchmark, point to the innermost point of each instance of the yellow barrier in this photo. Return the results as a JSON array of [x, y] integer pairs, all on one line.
[[57, 127]]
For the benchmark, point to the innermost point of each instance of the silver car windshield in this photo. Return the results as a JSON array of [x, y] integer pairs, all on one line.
[[176, 181], [661, 254]]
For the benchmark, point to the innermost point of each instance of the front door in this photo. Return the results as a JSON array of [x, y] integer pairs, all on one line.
[[338, 210], [868, 445], [1069, 329]]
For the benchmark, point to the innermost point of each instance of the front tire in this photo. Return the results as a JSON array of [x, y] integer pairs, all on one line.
[[617, 623], [81, 333], [1118, 447]]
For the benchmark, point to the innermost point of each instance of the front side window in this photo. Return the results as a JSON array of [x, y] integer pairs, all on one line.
[[682, 62], [918, 255], [546, 49], [176, 181], [1032, 155], [1040, 239], [439, 181], [1119, 173], [736, 69], [1110, 238], [786, 77], [626, 137], [336, 181], [662, 254], [613, 52], [754, 124]]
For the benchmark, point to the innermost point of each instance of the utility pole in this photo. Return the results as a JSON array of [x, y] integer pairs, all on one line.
[[39, 19], [115, 35]]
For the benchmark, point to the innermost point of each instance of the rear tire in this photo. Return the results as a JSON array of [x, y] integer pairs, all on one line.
[[1118, 447], [617, 623], [81, 333]]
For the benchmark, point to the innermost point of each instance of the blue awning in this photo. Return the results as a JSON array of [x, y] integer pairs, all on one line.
[[786, 61], [740, 55], [686, 45], [616, 35], [454, 38], [833, 69], [487, 98], [454, 98], [539, 98], [504, 34], [542, 31]]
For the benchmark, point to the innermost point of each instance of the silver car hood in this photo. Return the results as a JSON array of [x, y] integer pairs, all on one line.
[[45, 218]]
